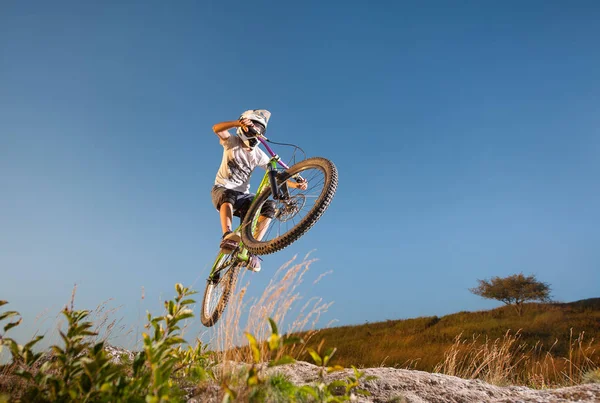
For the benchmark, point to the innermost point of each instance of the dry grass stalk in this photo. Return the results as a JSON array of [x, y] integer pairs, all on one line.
[[277, 300], [505, 361]]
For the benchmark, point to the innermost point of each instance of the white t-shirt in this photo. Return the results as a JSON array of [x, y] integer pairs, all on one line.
[[238, 163]]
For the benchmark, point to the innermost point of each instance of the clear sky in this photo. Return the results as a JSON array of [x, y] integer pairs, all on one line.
[[466, 134]]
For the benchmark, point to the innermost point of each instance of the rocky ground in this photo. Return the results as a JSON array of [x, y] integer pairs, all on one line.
[[401, 386], [408, 386]]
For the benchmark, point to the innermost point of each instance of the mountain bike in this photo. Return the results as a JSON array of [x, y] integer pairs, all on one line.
[[296, 211]]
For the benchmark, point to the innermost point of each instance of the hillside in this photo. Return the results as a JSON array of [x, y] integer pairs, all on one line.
[[420, 343], [84, 368]]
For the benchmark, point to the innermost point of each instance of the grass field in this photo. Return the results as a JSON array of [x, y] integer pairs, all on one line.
[[548, 344]]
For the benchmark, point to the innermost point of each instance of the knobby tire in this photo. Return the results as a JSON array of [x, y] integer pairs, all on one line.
[[227, 280], [286, 239]]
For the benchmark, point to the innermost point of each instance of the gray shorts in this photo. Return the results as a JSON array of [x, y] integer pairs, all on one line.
[[240, 201]]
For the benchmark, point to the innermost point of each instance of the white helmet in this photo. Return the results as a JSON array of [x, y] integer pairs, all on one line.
[[260, 118]]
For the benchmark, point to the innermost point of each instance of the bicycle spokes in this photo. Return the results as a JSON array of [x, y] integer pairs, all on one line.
[[290, 210]]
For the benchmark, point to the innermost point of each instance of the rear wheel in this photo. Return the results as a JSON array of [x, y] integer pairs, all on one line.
[[296, 214], [219, 287]]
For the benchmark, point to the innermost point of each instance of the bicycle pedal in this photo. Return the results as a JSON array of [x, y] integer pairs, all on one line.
[[234, 236], [233, 239]]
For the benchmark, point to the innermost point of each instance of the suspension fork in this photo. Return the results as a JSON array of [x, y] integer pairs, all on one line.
[[279, 191]]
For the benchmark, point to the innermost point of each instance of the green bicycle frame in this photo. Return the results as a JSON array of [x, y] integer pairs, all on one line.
[[242, 252]]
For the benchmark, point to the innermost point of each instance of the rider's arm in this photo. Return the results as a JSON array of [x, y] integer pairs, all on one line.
[[221, 129]]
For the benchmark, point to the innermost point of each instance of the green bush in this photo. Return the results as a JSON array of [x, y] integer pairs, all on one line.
[[81, 370]]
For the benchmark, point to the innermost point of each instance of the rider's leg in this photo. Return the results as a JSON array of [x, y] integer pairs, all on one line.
[[226, 213], [267, 214], [259, 233], [225, 201], [230, 239], [261, 227]]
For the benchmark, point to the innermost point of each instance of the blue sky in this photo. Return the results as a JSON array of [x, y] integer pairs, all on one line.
[[466, 135]]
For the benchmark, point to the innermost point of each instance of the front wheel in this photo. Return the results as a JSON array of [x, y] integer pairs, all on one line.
[[219, 286], [295, 214]]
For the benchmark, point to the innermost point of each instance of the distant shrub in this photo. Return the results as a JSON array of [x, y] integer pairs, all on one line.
[[513, 290]]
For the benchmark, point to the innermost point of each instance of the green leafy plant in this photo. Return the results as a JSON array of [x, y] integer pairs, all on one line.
[[5, 341], [22, 355], [256, 384], [195, 363], [81, 369], [353, 382], [338, 390], [259, 388], [8, 326], [323, 360], [160, 353]]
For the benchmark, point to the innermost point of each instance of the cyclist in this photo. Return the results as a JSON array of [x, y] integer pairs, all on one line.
[[231, 191]]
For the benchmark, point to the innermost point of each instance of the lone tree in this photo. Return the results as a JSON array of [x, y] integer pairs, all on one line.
[[513, 290]]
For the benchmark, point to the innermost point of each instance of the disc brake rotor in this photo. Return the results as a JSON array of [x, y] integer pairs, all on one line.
[[287, 209]]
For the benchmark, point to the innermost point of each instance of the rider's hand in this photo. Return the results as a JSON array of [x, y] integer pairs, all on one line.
[[301, 184], [246, 123]]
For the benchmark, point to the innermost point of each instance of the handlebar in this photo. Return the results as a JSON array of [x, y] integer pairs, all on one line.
[[263, 140]]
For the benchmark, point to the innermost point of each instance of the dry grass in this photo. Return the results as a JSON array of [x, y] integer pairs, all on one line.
[[509, 361], [279, 298], [422, 343], [492, 361], [565, 371]]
